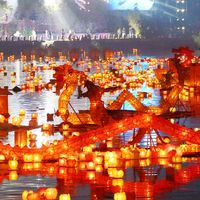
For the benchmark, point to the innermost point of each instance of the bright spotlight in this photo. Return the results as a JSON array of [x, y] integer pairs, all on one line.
[[52, 4]]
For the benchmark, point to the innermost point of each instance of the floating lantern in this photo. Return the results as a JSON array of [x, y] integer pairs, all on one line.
[[90, 175], [118, 182], [25, 195], [82, 156], [34, 116], [163, 161], [16, 121], [13, 164], [62, 171], [28, 158], [51, 193], [65, 197], [90, 166], [120, 196], [62, 162], [33, 196], [143, 153], [144, 162], [45, 127], [37, 158], [49, 86], [2, 158], [117, 173], [2, 119], [162, 153], [65, 127], [172, 121], [87, 149], [82, 166], [22, 112], [99, 168], [13, 176], [98, 160]]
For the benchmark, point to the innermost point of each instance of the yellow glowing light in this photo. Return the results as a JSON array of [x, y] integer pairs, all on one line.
[[65, 197], [13, 176]]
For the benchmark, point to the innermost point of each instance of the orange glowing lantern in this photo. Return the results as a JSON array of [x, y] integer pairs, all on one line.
[[65, 197], [118, 182], [143, 153], [144, 162], [13, 164], [2, 157], [87, 149], [45, 127], [2, 119], [118, 174], [99, 168], [34, 115], [62, 171], [82, 166], [49, 86], [25, 195], [163, 161], [28, 158], [51, 193], [82, 156], [13, 176], [90, 166], [120, 196], [62, 162], [33, 196], [51, 170], [98, 160], [65, 133], [37, 158], [22, 112], [65, 127], [28, 166], [90, 175], [112, 162], [165, 92], [162, 153], [16, 121], [109, 144]]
